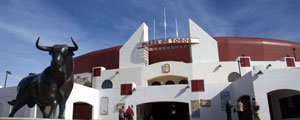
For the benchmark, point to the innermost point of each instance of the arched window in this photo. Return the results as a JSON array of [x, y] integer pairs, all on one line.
[[183, 82], [88, 84], [107, 84], [170, 82], [155, 83]]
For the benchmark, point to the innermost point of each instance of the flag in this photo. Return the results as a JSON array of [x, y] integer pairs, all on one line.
[[8, 72]]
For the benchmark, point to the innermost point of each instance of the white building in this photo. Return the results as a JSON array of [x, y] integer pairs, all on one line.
[[189, 78]]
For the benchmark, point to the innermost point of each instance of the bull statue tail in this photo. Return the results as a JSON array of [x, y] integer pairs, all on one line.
[[12, 102]]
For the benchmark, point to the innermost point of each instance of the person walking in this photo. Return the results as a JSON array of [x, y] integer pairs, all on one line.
[[122, 113], [240, 109], [255, 108], [129, 113], [228, 110]]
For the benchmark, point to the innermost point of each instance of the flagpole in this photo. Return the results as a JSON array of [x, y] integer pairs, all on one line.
[[165, 22], [154, 29], [176, 27]]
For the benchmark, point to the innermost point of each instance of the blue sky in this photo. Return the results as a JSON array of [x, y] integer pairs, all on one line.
[[99, 24]]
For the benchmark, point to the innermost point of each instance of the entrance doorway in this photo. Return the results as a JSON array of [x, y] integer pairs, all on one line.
[[82, 111], [284, 104], [163, 111], [246, 100]]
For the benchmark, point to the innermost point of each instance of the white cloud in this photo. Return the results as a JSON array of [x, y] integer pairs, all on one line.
[[20, 32]]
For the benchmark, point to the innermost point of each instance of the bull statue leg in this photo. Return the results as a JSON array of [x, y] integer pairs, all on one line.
[[18, 103], [64, 93], [52, 110], [62, 107], [42, 108], [50, 114], [22, 98], [17, 106]]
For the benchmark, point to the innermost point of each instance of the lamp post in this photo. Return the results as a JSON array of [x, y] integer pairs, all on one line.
[[7, 73], [294, 49], [239, 66]]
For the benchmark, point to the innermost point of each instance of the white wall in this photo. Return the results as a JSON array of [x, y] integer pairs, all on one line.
[[297, 64], [211, 73], [216, 80], [176, 68], [207, 71], [130, 55], [8, 94], [171, 93], [274, 79], [241, 87], [274, 64], [128, 75], [83, 77], [207, 48], [212, 92], [142, 95], [84, 94]]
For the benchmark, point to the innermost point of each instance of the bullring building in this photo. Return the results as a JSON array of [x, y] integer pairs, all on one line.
[[188, 78]]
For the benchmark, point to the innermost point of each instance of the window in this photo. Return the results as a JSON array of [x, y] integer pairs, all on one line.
[[155, 83], [183, 82], [290, 61], [170, 82], [126, 89], [245, 62], [197, 85], [97, 71], [107, 84]]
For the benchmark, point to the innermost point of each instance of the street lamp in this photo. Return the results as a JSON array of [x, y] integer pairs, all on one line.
[[7, 73], [294, 49]]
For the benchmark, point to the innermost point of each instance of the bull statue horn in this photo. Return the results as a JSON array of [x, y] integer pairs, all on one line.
[[43, 48], [75, 45]]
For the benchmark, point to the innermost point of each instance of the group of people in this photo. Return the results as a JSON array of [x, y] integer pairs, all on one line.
[[126, 115], [240, 109]]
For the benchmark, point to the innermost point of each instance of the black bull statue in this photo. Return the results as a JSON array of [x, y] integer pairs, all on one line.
[[51, 87]]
